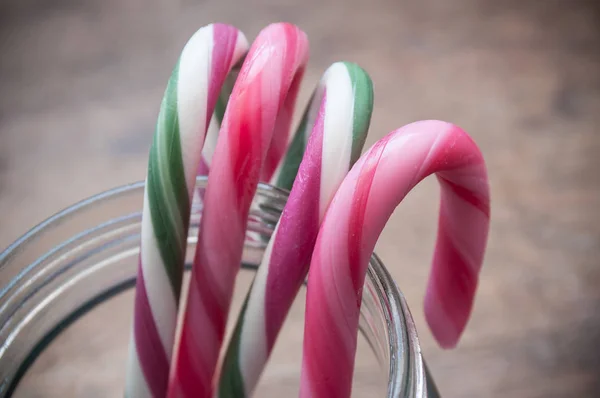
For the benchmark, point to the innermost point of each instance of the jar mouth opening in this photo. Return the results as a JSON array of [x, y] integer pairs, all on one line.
[[406, 368]]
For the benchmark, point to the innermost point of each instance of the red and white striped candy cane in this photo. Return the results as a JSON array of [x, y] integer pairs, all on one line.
[[287, 163], [267, 85], [274, 159], [357, 215]]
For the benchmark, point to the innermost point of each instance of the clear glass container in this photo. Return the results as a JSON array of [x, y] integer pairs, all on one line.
[[66, 299]]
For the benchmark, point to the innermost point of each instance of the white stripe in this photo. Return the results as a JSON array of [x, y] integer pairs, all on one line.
[[241, 47], [135, 382], [337, 133], [158, 286], [210, 144], [463, 214], [253, 336], [270, 66], [277, 171], [192, 97]]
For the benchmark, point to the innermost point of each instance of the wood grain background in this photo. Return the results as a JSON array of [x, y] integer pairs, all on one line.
[[81, 82]]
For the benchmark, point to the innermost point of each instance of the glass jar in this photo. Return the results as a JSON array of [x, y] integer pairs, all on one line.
[[66, 304]]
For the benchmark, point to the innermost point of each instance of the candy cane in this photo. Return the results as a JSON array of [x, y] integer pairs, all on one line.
[[279, 162], [182, 122], [267, 83], [287, 168], [365, 200], [343, 103]]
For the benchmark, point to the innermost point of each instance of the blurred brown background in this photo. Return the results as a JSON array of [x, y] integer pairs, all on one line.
[[81, 83]]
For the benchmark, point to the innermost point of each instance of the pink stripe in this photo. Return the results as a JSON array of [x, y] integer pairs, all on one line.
[[360, 199], [225, 38], [333, 359], [281, 132], [189, 380], [215, 305], [187, 371], [454, 281], [483, 204], [296, 235], [245, 150], [203, 168], [152, 357]]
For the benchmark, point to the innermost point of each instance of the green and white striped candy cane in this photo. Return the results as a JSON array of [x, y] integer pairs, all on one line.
[[188, 103]]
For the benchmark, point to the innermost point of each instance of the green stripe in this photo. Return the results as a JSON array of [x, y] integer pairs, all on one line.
[[295, 153], [220, 107], [167, 191], [231, 383], [225, 94], [292, 159], [363, 107]]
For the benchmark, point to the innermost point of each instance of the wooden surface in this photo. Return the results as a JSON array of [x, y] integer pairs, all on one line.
[[81, 83]]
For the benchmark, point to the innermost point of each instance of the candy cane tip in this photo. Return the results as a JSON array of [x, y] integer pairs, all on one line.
[[286, 28], [281, 25], [446, 329], [431, 124], [242, 42]]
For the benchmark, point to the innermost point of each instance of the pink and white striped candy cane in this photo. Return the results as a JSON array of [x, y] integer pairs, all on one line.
[[362, 205], [279, 142], [267, 83]]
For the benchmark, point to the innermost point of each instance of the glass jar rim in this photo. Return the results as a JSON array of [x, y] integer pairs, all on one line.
[[406, 372]]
